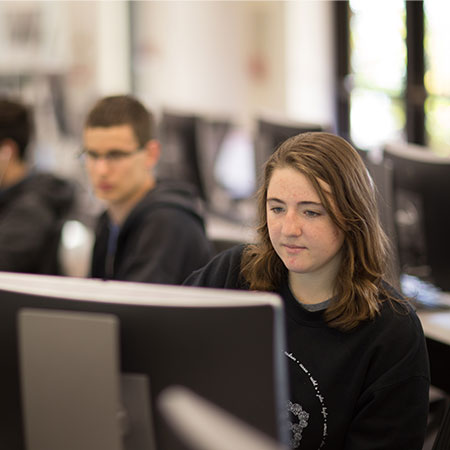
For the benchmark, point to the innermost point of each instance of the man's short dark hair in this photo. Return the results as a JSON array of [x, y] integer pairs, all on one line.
[[123, 110], [16, 123]]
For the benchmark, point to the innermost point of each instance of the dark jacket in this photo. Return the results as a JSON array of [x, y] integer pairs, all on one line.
[[362, 390], [162, 240], [32, 213]]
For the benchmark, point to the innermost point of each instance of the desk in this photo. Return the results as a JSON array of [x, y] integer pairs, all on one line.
[[218, 228], [436, 325]]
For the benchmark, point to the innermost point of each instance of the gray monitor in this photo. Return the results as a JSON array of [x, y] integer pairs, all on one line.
[[226, 346], [421, 195], [271, 131]]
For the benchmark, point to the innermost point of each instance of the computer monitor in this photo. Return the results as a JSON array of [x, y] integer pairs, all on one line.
[[233, 168], [190, 146], [271, 131], [178, 136], [380, 172], [421, 193], [226, 346]]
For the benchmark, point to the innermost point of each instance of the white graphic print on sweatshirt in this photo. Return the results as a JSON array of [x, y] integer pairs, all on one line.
[[301, 417]]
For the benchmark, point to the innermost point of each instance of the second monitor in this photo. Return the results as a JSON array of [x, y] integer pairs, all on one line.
[[420, 197]]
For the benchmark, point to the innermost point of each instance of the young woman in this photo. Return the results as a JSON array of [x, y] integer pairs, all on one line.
[[356, 351]]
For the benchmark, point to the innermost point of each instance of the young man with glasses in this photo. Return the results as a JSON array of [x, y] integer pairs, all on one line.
[[152, 230]]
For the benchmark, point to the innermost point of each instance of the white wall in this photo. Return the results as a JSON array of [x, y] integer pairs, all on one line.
[[189, 54], [236, 58], [198, 55], [309, 59], [113, 60]]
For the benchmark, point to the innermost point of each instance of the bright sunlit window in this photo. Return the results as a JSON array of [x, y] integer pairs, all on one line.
[[437, 74], [378, 66]]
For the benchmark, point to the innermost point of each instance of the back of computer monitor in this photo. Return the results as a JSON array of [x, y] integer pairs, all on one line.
[[381, 173], [271, 132], [226, 346], [190, 145], [177, 132], [67, 384], [211, 132], [421, 188]]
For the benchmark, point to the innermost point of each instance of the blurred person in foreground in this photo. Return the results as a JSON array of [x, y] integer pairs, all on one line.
[[152, 230], [33, 204]]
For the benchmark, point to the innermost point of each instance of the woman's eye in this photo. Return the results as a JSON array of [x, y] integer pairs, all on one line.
[[276, 209], [312, 213]]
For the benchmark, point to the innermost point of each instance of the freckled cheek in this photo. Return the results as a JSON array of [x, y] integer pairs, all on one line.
[[326, 236], [273, 229]]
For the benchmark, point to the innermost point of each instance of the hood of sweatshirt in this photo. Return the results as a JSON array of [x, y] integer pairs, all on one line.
[[169, 193]]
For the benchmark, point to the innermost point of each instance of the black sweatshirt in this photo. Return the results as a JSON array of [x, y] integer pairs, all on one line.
[[361, 390], [162, 240], [32, 213]]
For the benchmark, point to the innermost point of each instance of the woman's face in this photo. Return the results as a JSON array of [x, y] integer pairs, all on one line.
[[300, 229]]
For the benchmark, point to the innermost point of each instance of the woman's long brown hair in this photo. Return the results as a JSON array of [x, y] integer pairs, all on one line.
[[331, 159]]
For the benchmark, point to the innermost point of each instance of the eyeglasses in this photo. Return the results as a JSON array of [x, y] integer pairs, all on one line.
[[111, 157]]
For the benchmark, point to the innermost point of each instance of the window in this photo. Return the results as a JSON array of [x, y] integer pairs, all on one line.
[[394, 72], [378, 68], [437, 74]]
